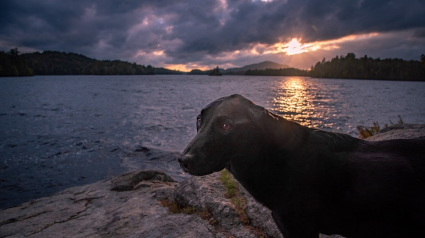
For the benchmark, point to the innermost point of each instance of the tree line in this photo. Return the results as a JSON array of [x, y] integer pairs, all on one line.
[[60, 63], [350, 67], [12, 64]]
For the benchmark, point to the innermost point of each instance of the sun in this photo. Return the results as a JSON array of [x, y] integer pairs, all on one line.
[[294, 47]]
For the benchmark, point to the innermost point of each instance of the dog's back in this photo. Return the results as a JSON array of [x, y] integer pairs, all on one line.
[[384, 193]]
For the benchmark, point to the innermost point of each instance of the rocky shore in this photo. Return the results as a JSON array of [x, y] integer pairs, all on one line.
[[150, 203]]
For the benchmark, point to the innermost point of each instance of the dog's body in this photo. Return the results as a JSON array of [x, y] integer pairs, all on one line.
[[313, 181]]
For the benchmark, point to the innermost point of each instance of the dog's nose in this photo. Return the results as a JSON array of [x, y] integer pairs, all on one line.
[[182, 163]]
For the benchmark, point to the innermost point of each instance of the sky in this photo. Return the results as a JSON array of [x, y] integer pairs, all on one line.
[[202, 34]]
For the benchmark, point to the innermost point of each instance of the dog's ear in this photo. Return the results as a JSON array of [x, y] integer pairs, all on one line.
[[257, 112]]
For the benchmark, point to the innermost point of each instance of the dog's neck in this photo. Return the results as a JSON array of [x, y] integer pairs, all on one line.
[[287, 135], [279, 136], [286, 143]]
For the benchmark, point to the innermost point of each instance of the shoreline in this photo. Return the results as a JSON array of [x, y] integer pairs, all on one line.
[[22, 182]]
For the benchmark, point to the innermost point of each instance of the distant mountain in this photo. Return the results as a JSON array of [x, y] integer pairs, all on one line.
[[259, 66], [241, 71]]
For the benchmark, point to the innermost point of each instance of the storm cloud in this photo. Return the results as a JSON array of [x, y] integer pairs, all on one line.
[[204, 33]]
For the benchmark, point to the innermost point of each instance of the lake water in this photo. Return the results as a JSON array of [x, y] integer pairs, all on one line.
[[62, 131]]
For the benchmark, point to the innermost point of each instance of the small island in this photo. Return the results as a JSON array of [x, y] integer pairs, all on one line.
[[215, 72]]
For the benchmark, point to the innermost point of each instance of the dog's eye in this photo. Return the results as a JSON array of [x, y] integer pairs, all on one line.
[[225, 126]]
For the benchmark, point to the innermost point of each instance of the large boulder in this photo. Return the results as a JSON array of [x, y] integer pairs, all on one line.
[[209, 193], [127, 206]]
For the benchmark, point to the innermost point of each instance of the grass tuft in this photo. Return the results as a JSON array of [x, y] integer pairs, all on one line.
[[173, 207], [365, 132], [235, 197], [368, 132], [229, 183]]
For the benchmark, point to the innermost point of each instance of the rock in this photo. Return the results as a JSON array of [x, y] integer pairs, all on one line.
[[134, 180], [208, 193], [399, 131], [97, 211]]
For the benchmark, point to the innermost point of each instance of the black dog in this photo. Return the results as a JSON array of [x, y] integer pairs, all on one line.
[[313, 181]]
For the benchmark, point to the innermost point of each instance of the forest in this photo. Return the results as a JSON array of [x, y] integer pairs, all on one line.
[[60, 63], [350, 67]]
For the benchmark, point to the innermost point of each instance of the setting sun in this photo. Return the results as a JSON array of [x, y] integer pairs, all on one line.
[[294, 47]]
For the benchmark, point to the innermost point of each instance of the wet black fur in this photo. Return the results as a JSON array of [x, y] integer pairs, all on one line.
[[313, 181]]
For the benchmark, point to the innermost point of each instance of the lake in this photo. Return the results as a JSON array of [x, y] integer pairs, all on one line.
[[63, 131]]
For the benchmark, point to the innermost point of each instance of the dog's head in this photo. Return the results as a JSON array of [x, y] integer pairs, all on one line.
[[226, 131]]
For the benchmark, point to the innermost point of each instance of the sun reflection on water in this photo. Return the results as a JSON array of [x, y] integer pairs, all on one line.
[[294, 100]]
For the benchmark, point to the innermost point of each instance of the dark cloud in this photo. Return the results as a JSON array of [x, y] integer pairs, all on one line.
[[420, 33], [180, 32], [341, 18]]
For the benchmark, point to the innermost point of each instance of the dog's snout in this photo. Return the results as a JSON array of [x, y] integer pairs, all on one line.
[[183, 162]]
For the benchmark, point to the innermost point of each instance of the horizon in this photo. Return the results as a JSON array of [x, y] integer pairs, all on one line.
[[207, 69], [230, 34]]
